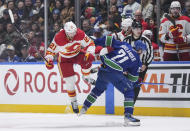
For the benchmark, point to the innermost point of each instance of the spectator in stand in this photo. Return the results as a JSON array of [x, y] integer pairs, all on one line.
[[86, 27], [113, 2], [51, 6], [92, 3], [130, 9], [20, 9], [103, 7], [153, 27], [146, 8], [10, 33], [2, 30], [55, 18], [26, 57], [119, 4], [27, 9], [139, 18], [11, 5], [83, 7], [115, 18], [59, 5], [56, 28], [17, 42], [35, 27], [38, 7], [89, 12], [5, 19], [11, 55], [109, 28], [2, 8], [92, 21], [16, 19], [187, 8], [67, 13]]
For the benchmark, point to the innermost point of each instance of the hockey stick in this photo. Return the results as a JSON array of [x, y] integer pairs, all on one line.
[[170, 19], [117, 36], [95, 69], [147, 83], [22, 35]]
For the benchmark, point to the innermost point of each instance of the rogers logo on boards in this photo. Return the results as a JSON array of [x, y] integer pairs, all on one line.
[[39, 82], [15, 89]]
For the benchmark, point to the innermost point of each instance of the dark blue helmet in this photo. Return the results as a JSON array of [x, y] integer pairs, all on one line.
[[139, 45], [136, 24]]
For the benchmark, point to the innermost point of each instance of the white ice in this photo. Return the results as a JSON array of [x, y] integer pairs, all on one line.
[[71, 122]]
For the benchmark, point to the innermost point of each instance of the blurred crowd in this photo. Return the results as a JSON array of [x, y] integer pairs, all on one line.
[[98, 18]]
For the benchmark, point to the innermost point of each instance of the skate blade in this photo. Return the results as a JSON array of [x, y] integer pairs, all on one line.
[[132, 124]]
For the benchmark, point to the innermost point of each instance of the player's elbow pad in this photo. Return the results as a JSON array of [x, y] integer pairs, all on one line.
[[105, 50]]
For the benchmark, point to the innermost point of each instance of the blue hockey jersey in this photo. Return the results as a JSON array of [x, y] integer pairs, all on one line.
[[123, 58]]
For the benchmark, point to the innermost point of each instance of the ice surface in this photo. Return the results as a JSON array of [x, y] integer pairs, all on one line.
[[71, 122]]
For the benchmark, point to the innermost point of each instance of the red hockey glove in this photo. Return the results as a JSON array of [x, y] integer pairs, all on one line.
[[175, 32], [179, 40], [49, 64], [89, 57], [98, 49]]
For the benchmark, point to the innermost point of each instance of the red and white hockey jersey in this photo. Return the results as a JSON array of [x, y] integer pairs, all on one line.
[[119, 36], [183, 23], [69, 49]]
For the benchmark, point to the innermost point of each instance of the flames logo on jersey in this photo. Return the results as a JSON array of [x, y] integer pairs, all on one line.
[[72, 50], [75, 47], [179, 26]]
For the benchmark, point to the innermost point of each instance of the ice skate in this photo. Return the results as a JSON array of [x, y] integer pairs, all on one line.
[[83, 110], [129, 120], [75, 107]]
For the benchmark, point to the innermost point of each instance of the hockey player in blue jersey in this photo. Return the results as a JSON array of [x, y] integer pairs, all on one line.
[[120, 66]]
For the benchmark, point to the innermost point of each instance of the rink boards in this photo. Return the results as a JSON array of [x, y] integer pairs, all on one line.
[[33, 88]]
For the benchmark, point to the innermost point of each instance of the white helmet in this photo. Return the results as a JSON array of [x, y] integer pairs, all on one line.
[[175, 4], [147, 32], [126, 23], [70, 29]]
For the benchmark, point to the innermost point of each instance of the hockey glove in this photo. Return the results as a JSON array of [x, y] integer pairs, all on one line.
[[49, 64], [179, 40], [175, 32], [98, 49], [87, 56]]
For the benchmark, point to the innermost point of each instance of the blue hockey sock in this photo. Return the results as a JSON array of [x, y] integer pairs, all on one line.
[[129, 106], [91, 98]]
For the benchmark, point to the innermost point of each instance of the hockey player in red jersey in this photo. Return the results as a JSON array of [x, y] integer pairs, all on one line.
[[72, 46], [126, 29], [175, 34]]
